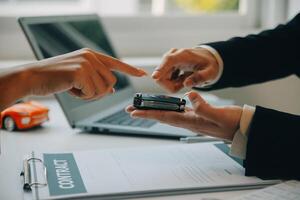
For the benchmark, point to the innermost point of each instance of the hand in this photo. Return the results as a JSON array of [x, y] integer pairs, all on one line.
[[186, 68], [203, 118], [84, 73]]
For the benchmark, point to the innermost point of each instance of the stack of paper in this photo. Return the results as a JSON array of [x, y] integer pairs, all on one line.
[[289, 190], [140, 172]]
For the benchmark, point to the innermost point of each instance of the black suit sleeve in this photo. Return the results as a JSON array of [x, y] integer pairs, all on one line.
[[273, 145], [269, 55]]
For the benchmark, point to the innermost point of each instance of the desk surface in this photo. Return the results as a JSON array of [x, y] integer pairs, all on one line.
[[56, 135]]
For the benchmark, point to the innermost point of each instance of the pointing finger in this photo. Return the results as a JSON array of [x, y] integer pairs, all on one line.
[[117, 65]]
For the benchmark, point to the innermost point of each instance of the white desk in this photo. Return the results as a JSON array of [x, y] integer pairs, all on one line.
[[57, 135]]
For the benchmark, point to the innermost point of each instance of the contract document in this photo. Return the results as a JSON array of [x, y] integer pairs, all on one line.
[[138, 172], [289, 190]]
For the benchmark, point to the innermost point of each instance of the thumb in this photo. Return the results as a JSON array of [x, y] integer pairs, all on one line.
[[198, 78], [202, 108]]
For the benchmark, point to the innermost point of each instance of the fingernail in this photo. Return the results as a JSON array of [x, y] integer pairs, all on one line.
[[132, 115], [143, 72], [112, 90], [127, 111], [155, 74], [185, 94]]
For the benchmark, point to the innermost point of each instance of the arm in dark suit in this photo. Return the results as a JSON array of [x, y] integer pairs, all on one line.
[[274, 137], [269, 55], [273, 145]]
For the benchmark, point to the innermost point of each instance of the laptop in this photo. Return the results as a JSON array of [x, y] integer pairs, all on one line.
[[55, 35]]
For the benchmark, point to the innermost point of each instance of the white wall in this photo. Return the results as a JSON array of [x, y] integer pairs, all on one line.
[[293, 8], [13, 44], [133, 36]]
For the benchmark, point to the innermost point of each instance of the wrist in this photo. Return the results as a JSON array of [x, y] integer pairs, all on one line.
[[14, 85], [28, 78], [236, 115], [50, 77], [219, 64]]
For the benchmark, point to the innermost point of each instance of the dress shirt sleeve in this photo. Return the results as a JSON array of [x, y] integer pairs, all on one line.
[[219, 61], [239, 142]]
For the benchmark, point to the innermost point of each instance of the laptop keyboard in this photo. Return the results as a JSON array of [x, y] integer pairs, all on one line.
[[122, 118]]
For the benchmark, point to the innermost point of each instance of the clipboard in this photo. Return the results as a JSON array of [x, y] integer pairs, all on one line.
[[29, 173], [31, 162], [136, 172]]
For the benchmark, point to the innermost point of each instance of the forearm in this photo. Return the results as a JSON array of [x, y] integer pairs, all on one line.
[[14, 84], [272, 148], [268, 144]]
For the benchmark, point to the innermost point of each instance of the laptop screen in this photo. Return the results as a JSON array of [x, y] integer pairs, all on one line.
[[56, 37]]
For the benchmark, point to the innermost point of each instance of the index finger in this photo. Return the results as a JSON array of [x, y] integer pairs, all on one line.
[[120, 66]]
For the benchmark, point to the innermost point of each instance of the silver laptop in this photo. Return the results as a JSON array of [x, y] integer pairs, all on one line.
[[54, 35]]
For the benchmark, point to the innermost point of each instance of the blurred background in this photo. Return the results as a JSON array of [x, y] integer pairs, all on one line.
[[142, 30]]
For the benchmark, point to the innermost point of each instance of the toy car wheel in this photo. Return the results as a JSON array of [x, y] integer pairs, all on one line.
[[9, 124]]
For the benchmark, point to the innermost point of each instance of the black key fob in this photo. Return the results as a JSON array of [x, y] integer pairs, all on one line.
[[158, 102]]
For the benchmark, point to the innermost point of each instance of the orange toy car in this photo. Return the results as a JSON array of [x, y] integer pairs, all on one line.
[[23, 116]]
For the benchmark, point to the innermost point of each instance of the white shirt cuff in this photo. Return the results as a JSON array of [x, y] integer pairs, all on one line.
[[239, 145], [219, 61], [240, 139]]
